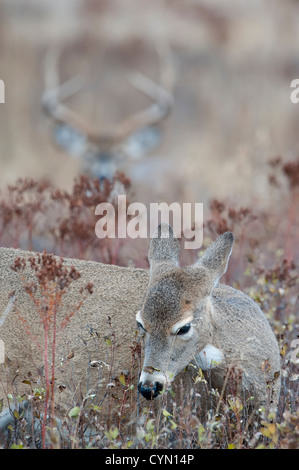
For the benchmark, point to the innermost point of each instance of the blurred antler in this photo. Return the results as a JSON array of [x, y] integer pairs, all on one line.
[[56, 93], [160, 94]]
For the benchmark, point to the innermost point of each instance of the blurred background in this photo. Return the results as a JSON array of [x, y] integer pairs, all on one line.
[[190, 101], [230, 65]]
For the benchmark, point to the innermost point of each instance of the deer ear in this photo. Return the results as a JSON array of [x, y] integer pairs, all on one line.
[[215, 259], [164, 248]]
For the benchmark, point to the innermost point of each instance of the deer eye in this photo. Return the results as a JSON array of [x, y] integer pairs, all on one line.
[[184, 329]]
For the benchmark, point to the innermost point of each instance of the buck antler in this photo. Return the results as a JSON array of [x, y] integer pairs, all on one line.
[[101, 142]]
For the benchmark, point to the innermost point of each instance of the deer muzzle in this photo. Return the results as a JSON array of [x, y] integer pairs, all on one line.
[[151, 384]]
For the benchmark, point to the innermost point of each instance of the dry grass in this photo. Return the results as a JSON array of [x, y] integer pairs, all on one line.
[[234, 63], [264, 264], [231, 142]]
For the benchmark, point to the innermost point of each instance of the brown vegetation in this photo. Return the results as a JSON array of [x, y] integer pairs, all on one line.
[[261, 266]]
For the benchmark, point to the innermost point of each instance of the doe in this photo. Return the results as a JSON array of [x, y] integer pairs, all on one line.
[[189, 317]]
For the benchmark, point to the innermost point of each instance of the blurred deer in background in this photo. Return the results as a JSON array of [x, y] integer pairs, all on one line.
[[100, 152]]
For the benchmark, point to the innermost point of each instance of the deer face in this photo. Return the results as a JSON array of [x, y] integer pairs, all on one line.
[[174, 318], [167, 323], [101, 151]]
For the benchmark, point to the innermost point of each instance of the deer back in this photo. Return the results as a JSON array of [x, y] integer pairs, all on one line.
[[99, 332]]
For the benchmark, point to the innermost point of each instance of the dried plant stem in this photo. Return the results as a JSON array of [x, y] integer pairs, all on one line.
[[47, 383], [289, 235], [53, 356]]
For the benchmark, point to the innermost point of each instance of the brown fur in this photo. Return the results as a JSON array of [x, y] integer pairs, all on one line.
[[222, 317], [107, 314]]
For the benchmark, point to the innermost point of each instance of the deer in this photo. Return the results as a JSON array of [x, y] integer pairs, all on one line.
[[189, 318], [186, 322], [100, 152], [96, 346]]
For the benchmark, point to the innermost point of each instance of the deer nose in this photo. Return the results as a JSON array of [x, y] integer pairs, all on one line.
[[150, 391]]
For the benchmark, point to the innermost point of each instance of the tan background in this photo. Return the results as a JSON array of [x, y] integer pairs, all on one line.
[[234, 62]]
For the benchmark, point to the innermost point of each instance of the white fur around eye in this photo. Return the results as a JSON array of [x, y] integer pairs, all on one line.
[[186, 336], [180, 325], [139, 319]]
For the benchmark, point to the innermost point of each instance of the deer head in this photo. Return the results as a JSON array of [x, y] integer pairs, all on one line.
[[174, 319], [99, 151]]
